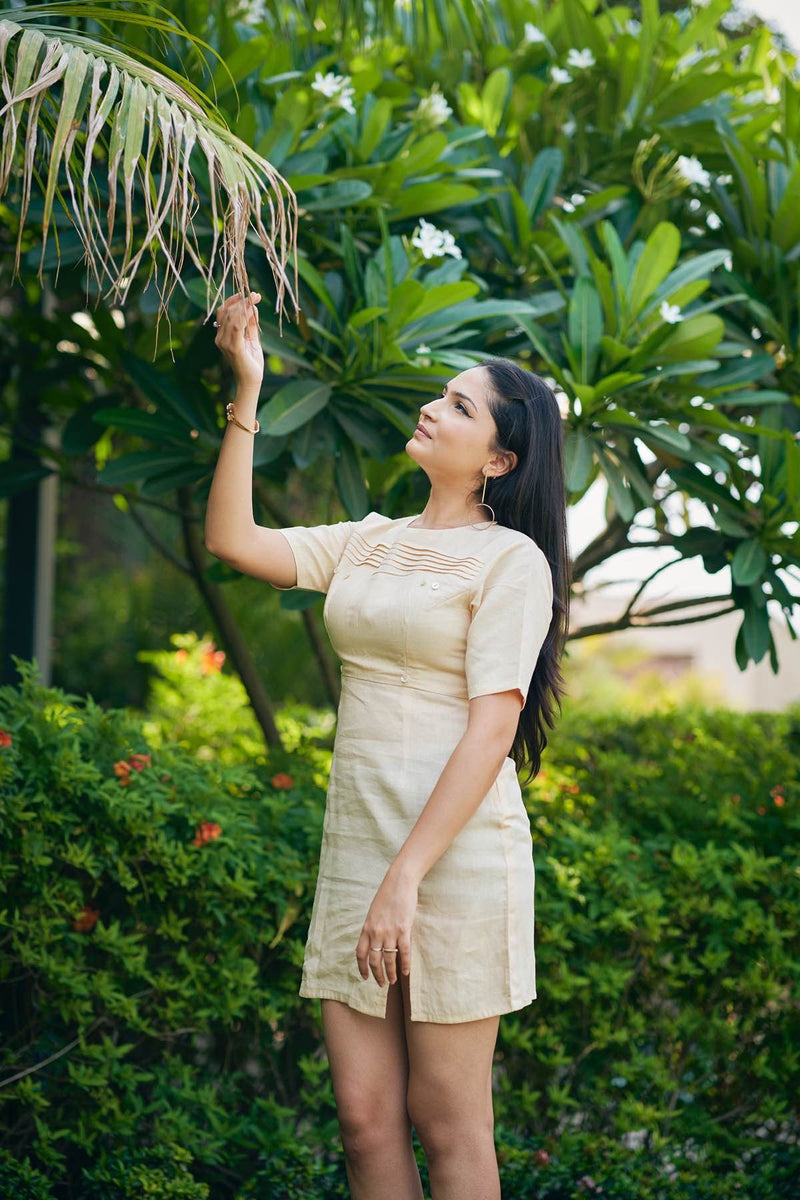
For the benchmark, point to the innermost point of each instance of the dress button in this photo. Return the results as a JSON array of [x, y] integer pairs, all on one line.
[[403, 678], [434, 585]]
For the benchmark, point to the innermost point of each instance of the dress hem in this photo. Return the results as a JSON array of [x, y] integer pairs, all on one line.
[[434, 1017]]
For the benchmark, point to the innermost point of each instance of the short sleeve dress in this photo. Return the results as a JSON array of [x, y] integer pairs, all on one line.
[[424, 620]]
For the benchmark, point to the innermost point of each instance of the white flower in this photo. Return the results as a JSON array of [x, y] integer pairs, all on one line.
[[433, 109], [569, 127], [423, 349], [692, 171], [559, 75], [701, 3], [346, 100], [336, 87], [633, 26], [533, 33], [728, 263], [634, 1139], [713, 221], [618, 1081], [434, 242], [671, 313], [724, 179], [580, 59], [328, 84]]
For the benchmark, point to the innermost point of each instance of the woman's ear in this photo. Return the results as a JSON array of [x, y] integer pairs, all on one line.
[[504, 463]]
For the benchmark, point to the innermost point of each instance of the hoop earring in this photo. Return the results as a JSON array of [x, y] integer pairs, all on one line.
[[483, 504]]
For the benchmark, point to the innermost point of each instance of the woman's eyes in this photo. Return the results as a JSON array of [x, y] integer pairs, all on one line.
[[459, 404]]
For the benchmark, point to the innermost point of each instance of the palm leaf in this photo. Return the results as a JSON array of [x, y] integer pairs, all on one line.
[[76, 90]]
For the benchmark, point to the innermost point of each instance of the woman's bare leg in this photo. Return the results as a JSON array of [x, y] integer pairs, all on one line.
[[369, 1069], [450, 1104]]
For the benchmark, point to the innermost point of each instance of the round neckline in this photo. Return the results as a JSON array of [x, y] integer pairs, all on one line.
[[442, 528]]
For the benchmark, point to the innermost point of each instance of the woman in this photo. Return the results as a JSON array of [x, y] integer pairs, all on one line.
[[449, 626]]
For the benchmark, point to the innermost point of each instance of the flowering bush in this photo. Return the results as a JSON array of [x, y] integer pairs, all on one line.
[[153, 937]]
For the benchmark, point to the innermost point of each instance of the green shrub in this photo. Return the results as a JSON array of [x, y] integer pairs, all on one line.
[[151, 964]]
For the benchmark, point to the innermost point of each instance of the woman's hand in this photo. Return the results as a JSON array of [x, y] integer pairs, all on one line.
[[237, 338], [388, 924]]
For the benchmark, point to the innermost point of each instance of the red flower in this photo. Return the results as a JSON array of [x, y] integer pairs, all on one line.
[[780, 800], [776, 791], [282, 780], [541, 1157], [85, 923], [761, 810], [206, 832], [139, 761], [5, 737]]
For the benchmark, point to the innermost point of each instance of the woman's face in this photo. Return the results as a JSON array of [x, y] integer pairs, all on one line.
[[460, 429]]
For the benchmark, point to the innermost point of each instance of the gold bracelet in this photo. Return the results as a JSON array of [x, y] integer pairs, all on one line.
[[231, 415]]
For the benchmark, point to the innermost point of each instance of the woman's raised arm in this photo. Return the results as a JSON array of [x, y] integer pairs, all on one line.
[[231, 533]]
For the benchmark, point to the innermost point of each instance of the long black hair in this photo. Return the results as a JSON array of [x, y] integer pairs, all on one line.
[[532, 499]]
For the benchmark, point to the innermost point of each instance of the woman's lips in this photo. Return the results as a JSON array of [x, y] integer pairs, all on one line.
[[422, 430]]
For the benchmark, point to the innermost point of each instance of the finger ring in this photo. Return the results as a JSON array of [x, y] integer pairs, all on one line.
[[386, 950], [378, 948]]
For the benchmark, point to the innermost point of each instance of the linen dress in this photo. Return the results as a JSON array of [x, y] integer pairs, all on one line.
[[423, 620]]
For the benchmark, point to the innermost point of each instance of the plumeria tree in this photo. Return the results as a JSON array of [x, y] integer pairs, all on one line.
[[607, 195]]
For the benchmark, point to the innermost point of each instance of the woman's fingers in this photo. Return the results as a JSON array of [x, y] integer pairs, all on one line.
[[376, 964], [232, 312]]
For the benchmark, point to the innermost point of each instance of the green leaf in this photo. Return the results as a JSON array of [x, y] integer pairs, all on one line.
[[129, 468], [541, 181], [493, 99], [786, 221], [374, 126], [155, 426], [365, 316], [749, 562], [445, 296], [657, 260], [421, 199], [585, 324], [293, 405], [618, 486], [579, 459], [343, 193], [349, 478]]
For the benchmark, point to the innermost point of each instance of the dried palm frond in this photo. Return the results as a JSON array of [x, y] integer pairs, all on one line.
[[74, 89]]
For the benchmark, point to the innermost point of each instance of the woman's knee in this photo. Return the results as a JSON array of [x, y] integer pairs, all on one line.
[[369, 1125], [445, 1126]]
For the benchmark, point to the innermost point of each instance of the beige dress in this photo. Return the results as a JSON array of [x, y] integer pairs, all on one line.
[[423, 620]]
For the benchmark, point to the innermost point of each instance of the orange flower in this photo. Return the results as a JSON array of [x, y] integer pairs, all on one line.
[[212, 659], [776, 791], [206, 832], [779, 800], [122, 768], [5, 737], [139, 761], [181, 655], [761, 810], [86, 922], [282, 780]]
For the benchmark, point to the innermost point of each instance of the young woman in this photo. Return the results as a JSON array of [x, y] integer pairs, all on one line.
[[450, 626]]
